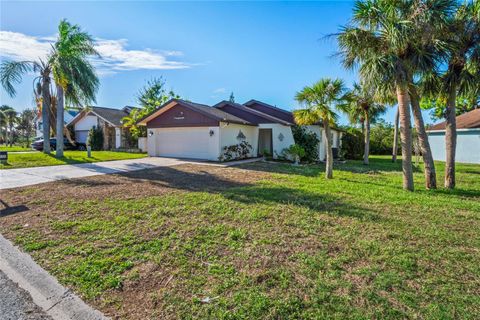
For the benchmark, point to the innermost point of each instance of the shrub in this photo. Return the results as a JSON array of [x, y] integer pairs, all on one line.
[[95, 138], [308, 141], [295, 152], [352, 144], [381, 138], [236, 151]]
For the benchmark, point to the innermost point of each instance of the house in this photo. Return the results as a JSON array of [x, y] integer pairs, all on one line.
[[316, 128], [115, 135], [184, 129], [468, 138], [68, 116]]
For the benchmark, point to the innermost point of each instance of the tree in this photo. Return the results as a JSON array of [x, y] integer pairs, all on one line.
[[4, 122], [74, 76], [150, 97], [232, 98], [319, 101], [11, 119], [26, 125], [383, 40], [362, 107], [395, 136], [462, 74]]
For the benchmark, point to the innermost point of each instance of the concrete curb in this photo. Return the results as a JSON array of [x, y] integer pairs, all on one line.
[[56, 300]]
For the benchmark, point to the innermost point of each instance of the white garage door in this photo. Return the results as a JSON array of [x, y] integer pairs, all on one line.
[[81, 136], [192, 142]]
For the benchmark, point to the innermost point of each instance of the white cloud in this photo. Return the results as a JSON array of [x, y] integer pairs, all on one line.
[[115, 56], [220, 90]]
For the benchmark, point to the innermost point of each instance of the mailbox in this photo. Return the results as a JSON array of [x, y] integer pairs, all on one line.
[[3, 156]]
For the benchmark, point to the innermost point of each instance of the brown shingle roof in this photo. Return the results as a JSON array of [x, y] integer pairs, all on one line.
[[469, 120]]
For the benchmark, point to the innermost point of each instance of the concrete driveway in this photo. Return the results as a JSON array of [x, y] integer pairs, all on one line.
[[13, 178]]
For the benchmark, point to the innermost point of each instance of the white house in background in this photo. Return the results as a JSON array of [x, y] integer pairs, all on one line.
[[184, 129], [115, 135], [468, 138], [67, 116]]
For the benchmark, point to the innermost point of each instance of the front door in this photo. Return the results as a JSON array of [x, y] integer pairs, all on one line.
[[265, 147]]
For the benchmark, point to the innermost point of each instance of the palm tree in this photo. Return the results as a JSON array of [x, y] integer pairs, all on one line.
[[4, 122], [362, 107], [319, 101], [11, 72], [11, 117], [462, 75], [395, 136], [383, 40], [74, 76]]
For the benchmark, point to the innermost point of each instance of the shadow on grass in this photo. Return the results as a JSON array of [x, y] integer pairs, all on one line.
[[8, 210]]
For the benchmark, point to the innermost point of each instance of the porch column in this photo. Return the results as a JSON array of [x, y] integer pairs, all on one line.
[[118, 137]]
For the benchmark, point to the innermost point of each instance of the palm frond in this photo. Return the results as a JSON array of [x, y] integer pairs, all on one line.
[[11, 73]]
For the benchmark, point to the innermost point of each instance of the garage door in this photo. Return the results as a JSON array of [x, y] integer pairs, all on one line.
[[192, 142], [81, 136]]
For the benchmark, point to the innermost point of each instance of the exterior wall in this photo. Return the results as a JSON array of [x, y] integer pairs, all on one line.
[[468, 145], [336, 140], [278, 143], [142, 144], [189, 142], [229, 133], [86, 123], [180, 116]]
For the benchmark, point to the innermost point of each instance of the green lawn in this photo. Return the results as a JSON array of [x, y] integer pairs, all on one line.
[[39, 159], [264, 241], [15, 148]]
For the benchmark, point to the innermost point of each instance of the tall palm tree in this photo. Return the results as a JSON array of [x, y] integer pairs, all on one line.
[[395, 136], [4, 122], [11, 117], [319, 101], [74, 76], [462, 75], [362, 107], [11, 72], [383, 40]]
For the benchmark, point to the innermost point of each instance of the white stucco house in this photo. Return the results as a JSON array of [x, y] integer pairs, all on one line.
[[109, 119], [184, 129], [468, 138], [68, 116]]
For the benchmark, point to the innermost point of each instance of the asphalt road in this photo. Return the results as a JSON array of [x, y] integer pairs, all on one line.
[[16, 303]]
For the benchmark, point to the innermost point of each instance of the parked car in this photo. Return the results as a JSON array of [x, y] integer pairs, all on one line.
[[38, 145]]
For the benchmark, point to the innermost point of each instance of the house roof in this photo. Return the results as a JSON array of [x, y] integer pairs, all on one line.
[[249, 114], [270, 110], [213, 113], [469, 120], [110, 115]]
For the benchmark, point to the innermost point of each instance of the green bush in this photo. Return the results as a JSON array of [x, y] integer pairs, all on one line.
[[352, 144], [295, 152], [95, 138], [236, 152], [381, 138], [308, 141]]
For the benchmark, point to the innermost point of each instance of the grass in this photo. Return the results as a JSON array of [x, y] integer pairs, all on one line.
[[265, 241], [39, 159], [14, 148]]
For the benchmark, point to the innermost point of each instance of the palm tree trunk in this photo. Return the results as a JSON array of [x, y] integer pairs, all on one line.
[[405, 136], [60, 121], [329, 164], [367, 140], [395, 136], [429, 165], [46, 111], [450, 139]]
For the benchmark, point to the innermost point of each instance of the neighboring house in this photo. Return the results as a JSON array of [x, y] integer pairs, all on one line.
[[468, 138], [115, 135], [184, 129], [68, 116]]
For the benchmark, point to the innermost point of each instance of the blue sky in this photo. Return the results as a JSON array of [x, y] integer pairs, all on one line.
[[258, 50]]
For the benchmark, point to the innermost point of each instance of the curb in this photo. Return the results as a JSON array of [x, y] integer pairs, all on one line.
[[56, 300]]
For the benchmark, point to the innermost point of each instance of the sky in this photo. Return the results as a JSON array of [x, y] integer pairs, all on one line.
[[204, 50]]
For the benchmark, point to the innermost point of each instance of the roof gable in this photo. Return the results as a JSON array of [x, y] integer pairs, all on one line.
[[270, 110], [112, 116], [251, 115]]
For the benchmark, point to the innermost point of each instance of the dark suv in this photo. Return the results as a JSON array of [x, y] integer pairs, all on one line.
[[38, 145]]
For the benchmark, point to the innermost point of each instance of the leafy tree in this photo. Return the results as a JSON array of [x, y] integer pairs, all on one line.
[[352, 144], [95, 138], [308, 140], [11, 120], [362, 107], [319, 101], [26, 125], [4, 122], [151, 96]]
